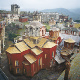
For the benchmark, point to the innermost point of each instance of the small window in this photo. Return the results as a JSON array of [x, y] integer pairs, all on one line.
[[24, 71], [36, 29], [16, 63], [53, 54], [39, 61], [45, 56], [17, 70]]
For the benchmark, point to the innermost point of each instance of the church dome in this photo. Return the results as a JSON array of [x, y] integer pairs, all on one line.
[[36, 23]]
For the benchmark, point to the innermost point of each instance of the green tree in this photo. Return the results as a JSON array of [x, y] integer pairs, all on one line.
[[11, 36]]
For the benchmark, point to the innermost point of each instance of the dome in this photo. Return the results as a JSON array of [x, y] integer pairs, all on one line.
[[36, 23]]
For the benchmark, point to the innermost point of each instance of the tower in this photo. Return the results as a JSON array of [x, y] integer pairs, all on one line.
[[15, 9]]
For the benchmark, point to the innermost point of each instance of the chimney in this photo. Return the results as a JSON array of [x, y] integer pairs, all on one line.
[[67, 70]]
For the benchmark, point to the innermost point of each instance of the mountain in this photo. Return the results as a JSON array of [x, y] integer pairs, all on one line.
[[76, 11], [66, 12]]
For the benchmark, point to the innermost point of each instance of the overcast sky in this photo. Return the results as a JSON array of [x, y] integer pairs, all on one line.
[[40, 4]]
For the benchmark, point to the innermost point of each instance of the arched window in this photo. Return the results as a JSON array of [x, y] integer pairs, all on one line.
[[16, 63], [31, 31], [45, 56], [36, 32]]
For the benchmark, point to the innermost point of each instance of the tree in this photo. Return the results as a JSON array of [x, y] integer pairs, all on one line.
[[11, 36]]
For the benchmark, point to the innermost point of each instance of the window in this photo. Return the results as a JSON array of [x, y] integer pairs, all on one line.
[[17, 70], [45, 56], [74, 33], [31, 31], [53, 54], [36, 29], [16, 63], [39, 61], [24, 71]]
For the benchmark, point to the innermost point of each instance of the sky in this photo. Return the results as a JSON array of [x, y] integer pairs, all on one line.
[[40, 4]]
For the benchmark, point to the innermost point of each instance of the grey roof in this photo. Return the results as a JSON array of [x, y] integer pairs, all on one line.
[[36, 23], [65, 36], [71, 28], [54, 29], [59, 59], [58, 25]]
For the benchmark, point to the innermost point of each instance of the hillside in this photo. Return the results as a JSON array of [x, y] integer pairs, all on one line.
[[76, 11]]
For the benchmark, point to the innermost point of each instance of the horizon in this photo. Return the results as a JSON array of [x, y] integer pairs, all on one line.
[[39, 10]]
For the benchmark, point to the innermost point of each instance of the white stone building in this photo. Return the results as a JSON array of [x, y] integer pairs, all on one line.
[[35, 28], [45, 17], [11, 18]]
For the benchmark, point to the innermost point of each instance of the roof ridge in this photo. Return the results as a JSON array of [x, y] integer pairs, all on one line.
[[17, 48]]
